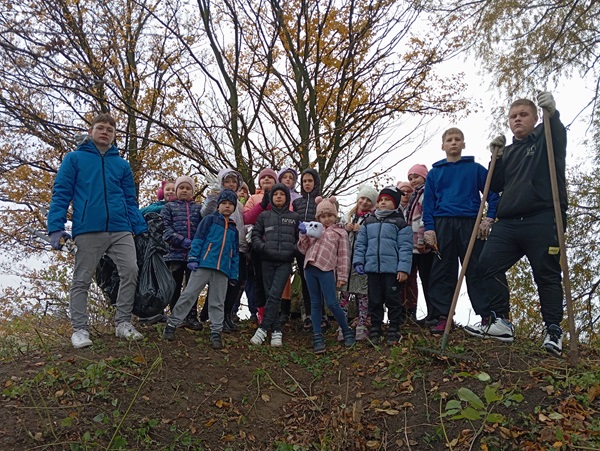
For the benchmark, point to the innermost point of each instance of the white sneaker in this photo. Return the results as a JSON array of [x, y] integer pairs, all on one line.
[[492, 327], [126, 330], [259, 336], [277, 339], [81, 338], [553, 340]]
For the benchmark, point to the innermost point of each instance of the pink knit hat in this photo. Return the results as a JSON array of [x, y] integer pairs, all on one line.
[[325, 206], [419, 169], [267, 172], [185, 179], [405, 186]]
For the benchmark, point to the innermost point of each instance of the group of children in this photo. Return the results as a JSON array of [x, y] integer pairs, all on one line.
[[419, 227]]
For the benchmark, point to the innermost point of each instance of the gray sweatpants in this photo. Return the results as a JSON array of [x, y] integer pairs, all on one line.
[[119, 246], [216, 297]]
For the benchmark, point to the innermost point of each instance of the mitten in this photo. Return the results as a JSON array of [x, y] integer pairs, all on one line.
[[264, 203], [192, 266], [499, 142], [55, 238], [360, 269], [302, 228], [547, 102], [186, 243]]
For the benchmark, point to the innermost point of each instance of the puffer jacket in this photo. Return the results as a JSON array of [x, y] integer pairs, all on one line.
[[181, 219], [215, 245], [102, 190], [275, 233], [305, 205], [384, 246]]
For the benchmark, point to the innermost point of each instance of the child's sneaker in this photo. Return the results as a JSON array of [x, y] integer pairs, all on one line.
[[81, 339], [259, 336], [340, 334], [126, 330], [393, 336], [215, 340], [375, 335], [169, 333], [553, 340], [318, 343], [348, 337], [192, 323], [361, 333], [307, 325], [277, 339], [440, 327]]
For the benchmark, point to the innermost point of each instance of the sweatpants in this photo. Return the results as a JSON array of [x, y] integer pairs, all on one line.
[[275, 276], [384, 289], [535, 237], [234, 292], [218, 282], [453, 235], [120, 247], [321, 284]]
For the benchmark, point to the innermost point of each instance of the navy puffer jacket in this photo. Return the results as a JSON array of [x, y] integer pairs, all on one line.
[[181, 219], [305, 205]]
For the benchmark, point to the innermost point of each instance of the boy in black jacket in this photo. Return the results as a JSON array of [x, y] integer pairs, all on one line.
[[275, 238], [526, 222]]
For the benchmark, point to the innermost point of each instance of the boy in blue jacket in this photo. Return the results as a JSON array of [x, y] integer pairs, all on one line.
[[213, 260], [451, 202], [383, 251], [100, 185]]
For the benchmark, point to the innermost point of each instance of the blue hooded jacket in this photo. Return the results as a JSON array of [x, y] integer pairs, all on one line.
[[102, 190]]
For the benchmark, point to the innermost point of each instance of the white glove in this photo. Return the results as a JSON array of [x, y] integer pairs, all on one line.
[[547, 102], [499, 142], [214, 184]]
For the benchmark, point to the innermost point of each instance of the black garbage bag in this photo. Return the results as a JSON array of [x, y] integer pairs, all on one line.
[[155, 282]]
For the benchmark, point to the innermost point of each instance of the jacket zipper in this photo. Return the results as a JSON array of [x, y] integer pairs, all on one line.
[[223, 243], [105, 196], [379, 247]]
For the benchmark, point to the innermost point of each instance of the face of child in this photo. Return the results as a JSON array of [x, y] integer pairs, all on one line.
[[364, 204], [230, 182], [453, 145], [103, 134], [169, 190], [416, 180], [288, 179], [184, 191], [327, 219], [308, 183], [242, 193], [278, 198], [385, 203], [267, 182], [226, 208], [522, 120], [406, 196]]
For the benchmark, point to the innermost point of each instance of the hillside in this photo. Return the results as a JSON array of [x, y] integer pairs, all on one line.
[[183, 395]]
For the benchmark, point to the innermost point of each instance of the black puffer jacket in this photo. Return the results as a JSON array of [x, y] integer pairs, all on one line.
[[305, 205], [275, 233]]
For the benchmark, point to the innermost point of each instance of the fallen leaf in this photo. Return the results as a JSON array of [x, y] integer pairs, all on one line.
[[373, 444], [38, 437], [388, 411], [210, 422], [265, 397], [221, 403], [228, 438], [59, 393], [139, 359], [593, 392], [548, 389], [165, 420]]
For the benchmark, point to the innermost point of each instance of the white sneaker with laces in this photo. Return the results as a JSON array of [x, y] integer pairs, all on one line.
[[553, 340], [81, 338], [492, 327], [277, 339], [259, 337], [126, 330]]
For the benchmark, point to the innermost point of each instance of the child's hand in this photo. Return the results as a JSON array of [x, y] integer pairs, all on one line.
[[56, 237], [356, 227], [192, 266], [302, 228], [349, 227], [402, 276], [340, 283], [264, 203], [360, 269]]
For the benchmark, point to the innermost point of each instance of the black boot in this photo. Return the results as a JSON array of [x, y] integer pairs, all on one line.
[[215, 340], [375, 334], [169, 333], [228, 325], [393, 336]]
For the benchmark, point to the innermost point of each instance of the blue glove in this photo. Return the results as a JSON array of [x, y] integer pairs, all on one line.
[[55, 238], [186, 243], [192, 266], [360, 269], [302, 228]]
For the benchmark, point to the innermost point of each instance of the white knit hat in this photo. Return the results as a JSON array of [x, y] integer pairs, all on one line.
[[369, 192]]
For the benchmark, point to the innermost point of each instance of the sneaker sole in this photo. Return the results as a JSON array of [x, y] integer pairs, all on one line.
[[276, 345], [552, 350], [82, 345], [320, 351]]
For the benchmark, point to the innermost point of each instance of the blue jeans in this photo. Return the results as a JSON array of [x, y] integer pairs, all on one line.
[[323, 282]]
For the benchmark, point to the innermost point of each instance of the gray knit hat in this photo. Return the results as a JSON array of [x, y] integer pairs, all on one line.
[[369, 192]]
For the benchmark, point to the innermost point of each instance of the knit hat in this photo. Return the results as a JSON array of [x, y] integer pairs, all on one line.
[[160, 194], [326, 206], [393, 193], [419, 169], [185, 179], [407, 185], [369, 192], [267, 172], [229, 195]]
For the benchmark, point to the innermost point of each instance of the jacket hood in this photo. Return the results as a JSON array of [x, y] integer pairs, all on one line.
[[317, 190], [445, 161], [283, 170], [89, 146], [225, 172], [286, 190]]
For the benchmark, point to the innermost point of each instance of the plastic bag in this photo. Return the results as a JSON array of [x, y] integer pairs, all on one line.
[[107, 278]]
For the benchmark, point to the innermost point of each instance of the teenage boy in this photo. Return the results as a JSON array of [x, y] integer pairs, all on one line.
[[526, 222], [213, 260], [451, 202], [105, 216]]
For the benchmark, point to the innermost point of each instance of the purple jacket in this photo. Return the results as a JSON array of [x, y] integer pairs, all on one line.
[[181, 219]]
